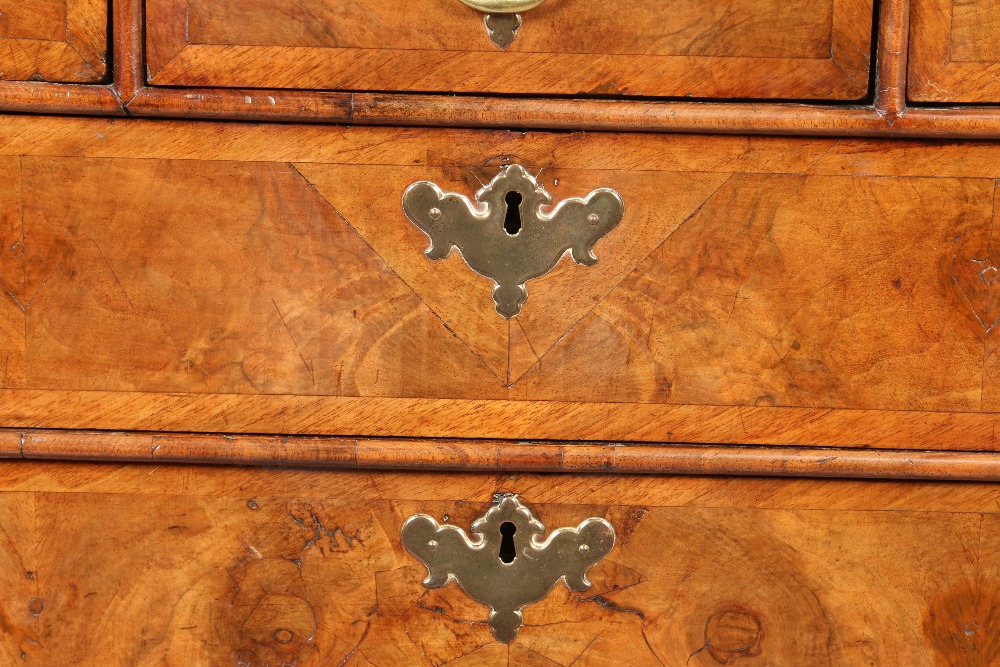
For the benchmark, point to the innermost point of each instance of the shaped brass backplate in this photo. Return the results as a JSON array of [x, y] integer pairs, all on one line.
[[503, 17], [508, 565], [510, 233], [502, 28]]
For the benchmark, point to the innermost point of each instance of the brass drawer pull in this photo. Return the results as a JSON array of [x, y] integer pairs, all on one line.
[[510, 234], [503, 17], [508, 565]]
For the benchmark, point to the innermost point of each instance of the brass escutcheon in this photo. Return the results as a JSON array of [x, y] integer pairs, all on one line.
[[511, 234], [508, 565]]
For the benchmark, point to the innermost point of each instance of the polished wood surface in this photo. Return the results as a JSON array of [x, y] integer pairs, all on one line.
[[887, 115], [805, 49], [263, 278], [242, 294], [954, 51], [891, 58], [53, 40], [147, 564], [498, 455]]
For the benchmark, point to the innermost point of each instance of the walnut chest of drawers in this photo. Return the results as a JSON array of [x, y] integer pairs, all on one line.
[[705, 288]]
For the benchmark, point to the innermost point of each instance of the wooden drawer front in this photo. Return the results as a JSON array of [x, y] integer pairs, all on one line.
[[138, 565], [195, 277], [808, 49], [954, 51], [53, 40]]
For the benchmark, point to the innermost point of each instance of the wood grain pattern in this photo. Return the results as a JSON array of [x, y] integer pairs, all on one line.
[[226, 564], [463, 299], [53, 40], [111, 139], [499, 456], [246, 105], [12, 275], [509, 420], [954, 51], [759, 291], [339, 323], [129, 75], [971, 122], [890, 63], [779, 286], [888, 117], [59, 98], [736, 48]]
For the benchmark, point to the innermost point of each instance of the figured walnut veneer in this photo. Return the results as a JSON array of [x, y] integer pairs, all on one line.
[[263, 278], [53, 40], [954, 51], [809, 49], [186, 565]]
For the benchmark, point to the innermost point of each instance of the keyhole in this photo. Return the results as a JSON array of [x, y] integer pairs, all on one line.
[[508, 552], [512, 220]]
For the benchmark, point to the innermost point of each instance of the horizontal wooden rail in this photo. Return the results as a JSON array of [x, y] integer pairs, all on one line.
[[887, 116], [497, 456]]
